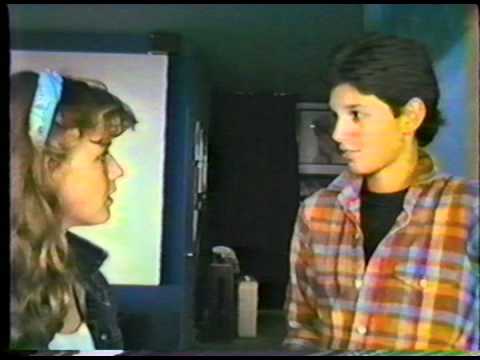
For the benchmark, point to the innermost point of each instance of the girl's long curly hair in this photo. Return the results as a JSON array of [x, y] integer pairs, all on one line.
[[42, 267]]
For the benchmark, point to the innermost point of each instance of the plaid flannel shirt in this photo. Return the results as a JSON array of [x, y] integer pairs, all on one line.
[[420, 289]]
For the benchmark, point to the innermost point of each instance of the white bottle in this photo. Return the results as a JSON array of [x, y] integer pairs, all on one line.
[[247, 307]]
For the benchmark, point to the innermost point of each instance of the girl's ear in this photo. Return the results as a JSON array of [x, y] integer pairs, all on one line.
[[53, 168], [55, 165], [66, 139], [51, 164], [70, 137]]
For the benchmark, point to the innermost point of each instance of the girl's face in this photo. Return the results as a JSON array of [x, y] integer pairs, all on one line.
[[85, 182]]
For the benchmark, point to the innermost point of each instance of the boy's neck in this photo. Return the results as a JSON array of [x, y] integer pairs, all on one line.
[[396, 176]]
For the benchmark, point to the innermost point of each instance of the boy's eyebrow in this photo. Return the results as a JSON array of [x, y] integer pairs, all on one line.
[[353, 106]]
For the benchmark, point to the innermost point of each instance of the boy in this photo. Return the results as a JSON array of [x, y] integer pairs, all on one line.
[[386, 257]]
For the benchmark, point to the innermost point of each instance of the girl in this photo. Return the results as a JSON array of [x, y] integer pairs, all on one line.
[[62, 175]]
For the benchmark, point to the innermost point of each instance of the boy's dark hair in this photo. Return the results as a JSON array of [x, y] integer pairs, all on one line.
[[393, 69]]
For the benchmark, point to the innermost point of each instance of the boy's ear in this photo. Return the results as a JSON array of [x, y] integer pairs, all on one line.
[[413, 114]]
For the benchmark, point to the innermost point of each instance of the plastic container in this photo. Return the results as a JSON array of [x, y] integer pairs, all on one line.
[[247, 307]]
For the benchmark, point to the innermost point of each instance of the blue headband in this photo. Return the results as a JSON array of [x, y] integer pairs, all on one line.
[[45, 101]]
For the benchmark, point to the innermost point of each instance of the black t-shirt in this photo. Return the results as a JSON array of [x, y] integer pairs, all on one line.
[[378, 213]]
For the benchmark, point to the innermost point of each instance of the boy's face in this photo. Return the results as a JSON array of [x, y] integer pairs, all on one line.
[[366, 130]]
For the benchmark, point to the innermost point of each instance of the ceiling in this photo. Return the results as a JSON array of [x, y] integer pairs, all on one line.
[[249, 48]]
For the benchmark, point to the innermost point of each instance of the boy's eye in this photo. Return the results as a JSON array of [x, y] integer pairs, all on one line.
[[356, 115]]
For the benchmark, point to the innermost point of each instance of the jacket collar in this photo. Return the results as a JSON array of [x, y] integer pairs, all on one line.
[[88, 256]]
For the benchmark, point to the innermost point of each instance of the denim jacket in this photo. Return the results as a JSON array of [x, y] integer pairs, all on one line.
[[101, 311], [101, 317]]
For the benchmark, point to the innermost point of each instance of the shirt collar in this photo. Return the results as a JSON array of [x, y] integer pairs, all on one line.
[[89, 257], [349, 185]]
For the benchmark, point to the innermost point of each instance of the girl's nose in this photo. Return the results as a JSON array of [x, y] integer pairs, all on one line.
[[115, 170]]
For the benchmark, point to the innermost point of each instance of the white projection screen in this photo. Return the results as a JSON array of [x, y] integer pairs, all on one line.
[[132, 236]]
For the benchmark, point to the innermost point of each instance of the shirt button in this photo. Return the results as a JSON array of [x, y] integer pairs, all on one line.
[[294, 324], [358, 283], [362, 330], [104, 337]]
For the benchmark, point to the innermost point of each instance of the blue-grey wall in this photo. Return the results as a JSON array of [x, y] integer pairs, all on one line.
[[451, 34]]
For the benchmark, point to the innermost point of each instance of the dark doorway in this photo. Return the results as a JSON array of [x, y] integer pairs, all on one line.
[[253, 186]]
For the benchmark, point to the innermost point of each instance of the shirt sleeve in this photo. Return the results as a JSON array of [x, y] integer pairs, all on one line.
[[301, 313], [472, 327]]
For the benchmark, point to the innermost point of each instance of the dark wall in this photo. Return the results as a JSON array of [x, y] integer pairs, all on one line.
[[246, 47], [253, 184]]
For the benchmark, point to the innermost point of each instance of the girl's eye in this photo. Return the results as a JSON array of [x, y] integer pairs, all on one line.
[[104, 156]]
